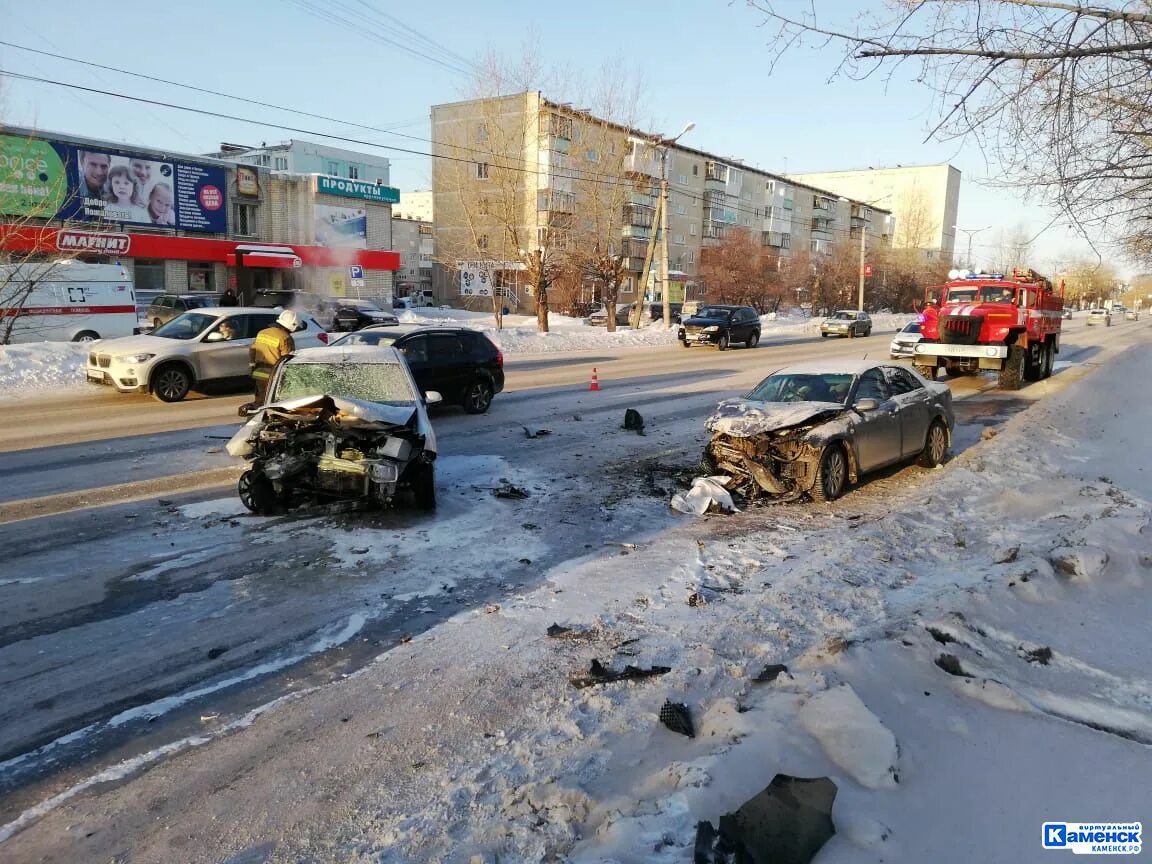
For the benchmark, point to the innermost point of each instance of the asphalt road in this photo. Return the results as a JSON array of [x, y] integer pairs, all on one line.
[[128, 625]]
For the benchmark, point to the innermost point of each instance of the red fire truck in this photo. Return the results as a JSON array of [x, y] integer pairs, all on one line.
[[981, 321]]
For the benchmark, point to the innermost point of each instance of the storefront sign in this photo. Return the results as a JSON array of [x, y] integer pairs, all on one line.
[[94, 242], [247, 181], [48, 179], [356, 189]]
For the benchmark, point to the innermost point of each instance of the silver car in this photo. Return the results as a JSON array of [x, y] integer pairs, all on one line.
[[814, 428], [904, 343]]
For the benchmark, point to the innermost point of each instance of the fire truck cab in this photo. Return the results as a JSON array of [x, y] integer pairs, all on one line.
[[984, 321]]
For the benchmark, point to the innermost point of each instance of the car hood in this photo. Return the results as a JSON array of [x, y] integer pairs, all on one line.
[[907, 337], [743, 418], [139, 345], [696, 321]]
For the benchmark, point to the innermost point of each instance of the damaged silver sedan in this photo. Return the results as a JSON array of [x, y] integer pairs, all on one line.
[[340, 425], [813, 429]]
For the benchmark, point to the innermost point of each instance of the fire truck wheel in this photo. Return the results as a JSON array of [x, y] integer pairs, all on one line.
[[1049, 360], [1034, 362], [935, 445], [1012, 372]]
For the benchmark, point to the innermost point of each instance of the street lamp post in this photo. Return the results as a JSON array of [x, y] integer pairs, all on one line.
[[970, 232], [662, 144]]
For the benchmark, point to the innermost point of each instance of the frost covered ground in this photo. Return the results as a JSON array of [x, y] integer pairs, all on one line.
[[48, 366], [967, 658]]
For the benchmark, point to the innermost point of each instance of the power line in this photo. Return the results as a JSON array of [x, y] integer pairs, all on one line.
[[574, 174]]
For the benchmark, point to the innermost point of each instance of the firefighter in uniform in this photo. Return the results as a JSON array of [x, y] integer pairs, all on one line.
[[272, 343]]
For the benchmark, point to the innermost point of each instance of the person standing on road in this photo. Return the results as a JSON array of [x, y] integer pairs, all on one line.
[[272, 343]]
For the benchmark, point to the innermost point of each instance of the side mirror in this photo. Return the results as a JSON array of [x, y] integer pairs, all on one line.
[[433, 397], [214, 336], [866, 404]]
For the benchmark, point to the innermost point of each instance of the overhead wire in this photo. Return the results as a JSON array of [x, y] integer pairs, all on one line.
[[569, 173]]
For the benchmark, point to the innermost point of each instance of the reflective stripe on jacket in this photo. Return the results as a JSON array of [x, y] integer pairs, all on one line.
[[272, 343]]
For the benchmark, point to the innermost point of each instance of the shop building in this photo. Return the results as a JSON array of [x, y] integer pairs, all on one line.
[[184, 224]]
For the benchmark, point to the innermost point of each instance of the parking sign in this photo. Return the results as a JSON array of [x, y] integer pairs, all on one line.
[[356, 275]]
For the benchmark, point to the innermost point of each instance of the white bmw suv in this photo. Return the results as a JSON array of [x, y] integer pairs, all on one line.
[[195, 351]]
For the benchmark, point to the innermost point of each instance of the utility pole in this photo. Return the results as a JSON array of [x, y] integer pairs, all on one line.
[[664, 293], [970, 231], [638, 310], [860, 295]]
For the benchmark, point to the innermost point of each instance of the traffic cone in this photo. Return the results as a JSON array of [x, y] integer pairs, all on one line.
[[595, 385]]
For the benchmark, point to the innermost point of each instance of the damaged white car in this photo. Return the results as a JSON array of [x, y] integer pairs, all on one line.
[[339, 425], [813, 429]]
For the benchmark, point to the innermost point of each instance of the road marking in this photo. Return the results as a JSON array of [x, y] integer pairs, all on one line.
[[119, 493]]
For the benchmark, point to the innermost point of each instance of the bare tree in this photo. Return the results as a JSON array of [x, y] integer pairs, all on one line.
[[1014, 250], [1056, 93], [738, 269]]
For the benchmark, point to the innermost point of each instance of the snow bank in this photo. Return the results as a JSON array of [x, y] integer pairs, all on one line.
[[852, 736], [41, 366]]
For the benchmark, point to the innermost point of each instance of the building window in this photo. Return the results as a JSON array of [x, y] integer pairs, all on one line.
[[148, 275], [200, 277], [484, 207], [692, 229], [334, 169], [691, 256], [683, 179], [680, 210], [769, 186], [785, 241], [481, 170], [353, 172], [695, 170], [244, 219], [678, 239], [592, 155], [482, 241], [481, 133], [281, 163]]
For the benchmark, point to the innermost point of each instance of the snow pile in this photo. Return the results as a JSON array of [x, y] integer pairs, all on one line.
[[41, 366]]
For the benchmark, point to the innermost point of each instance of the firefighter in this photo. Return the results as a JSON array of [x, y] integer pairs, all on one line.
[[272, 343]]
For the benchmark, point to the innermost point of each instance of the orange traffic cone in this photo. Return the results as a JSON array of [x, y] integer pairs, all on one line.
[[595, 385]]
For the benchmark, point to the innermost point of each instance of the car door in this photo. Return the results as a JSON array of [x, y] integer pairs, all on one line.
[[912, 407], [447, 365], [222, 360], [415, 351], [876, 432]]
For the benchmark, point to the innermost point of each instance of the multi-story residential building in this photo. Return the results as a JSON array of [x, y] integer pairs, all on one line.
[[415, 205], [523, 174], [190, 223], [924, 199], [308, 157], [412, 240]]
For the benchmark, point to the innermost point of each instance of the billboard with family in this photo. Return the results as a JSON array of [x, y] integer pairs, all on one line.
[[54, 180]]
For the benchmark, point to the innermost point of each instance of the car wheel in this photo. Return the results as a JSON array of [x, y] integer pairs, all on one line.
[[852, 333], [86, 336], [935, 445], [831, 475], [754, 339], [171, 383], [722, 342], [258, 494], [424, 485], [684, 343], [478, 396]]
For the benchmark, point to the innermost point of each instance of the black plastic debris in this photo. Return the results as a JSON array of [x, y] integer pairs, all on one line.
[[536, 433], [598, 673], [1042, 655], [633, 421], [771, 672], [676, 717], [697, 599], [507, 490], [788, 823], [556, 630], [950, 663]]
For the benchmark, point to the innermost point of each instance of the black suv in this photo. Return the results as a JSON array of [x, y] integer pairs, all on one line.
[[168, 306], [656, 311], [721, 326], [463, 365]]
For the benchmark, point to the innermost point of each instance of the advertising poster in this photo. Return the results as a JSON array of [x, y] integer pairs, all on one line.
[[53, 180], [344, 227]]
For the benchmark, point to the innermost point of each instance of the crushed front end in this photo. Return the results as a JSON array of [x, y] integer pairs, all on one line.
[[769, 451], [327, 450]]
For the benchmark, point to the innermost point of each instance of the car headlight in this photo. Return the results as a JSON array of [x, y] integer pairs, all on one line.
[[134, 358], [712, 328], [991, 352]]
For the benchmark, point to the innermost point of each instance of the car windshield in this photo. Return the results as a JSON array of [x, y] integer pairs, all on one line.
[[996, 294], [370, 382], [911, 327], [796, 387], [366, 337], [713, 312], [844, 316], [200, 302], [962, 295], [186, 326]]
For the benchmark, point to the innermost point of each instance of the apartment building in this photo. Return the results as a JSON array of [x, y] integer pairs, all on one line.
[[297, 156], [924, 199], [520, 174], [412, 240]]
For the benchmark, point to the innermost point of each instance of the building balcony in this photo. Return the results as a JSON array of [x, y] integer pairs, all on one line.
[[643, 166], [634, 248], [556, 145], [634, 264], [636, 232], [639, 216]]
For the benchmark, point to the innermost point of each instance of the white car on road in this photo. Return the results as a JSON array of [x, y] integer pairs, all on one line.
[[1100, 316], [198, 350], [904, 342]]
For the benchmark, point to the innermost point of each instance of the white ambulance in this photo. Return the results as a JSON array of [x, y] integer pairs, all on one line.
[[65, 301]]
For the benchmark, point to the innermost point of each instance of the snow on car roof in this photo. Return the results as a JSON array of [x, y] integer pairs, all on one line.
[[347, 354], [831, 366]]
